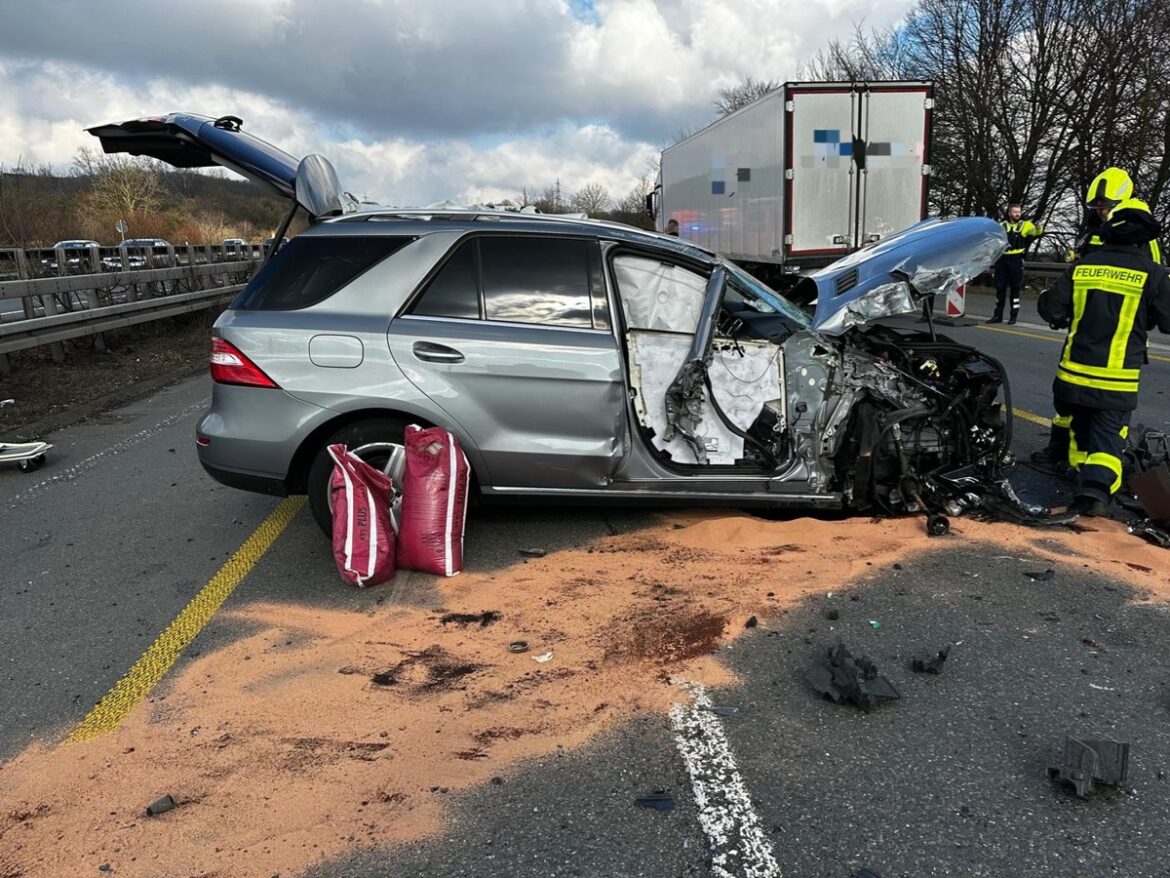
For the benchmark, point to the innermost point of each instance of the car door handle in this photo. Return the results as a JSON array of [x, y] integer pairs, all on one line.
[[436, 353]]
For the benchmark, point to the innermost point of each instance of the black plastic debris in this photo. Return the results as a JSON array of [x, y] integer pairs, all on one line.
[[1148, 530], [483, 619], [659, 800], [930, 664], [833, 615], [1091, 761], [842, 677], [722, 711], [518, 646], [533, 553], [161, 806], [751, 623], [1041, 576]]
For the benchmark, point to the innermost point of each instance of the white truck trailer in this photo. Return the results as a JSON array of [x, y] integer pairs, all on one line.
[[802, 176]]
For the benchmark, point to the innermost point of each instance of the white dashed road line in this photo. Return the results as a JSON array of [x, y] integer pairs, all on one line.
[[734, 833], [72, 472]]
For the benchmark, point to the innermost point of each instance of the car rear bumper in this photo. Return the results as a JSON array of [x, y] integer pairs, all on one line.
[[250, 436]]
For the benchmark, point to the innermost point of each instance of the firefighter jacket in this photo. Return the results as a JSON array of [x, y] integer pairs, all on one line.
[[1018, 234], [1110, 300], [1094, 242]]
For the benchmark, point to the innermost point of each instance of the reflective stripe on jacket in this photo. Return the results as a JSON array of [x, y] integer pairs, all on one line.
[[1109, 300], [1018, 235]]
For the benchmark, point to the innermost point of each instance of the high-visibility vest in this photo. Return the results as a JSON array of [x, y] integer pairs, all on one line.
[[1018, 234]]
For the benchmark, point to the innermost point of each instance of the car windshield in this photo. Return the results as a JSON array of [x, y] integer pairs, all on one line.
[[762, 298]]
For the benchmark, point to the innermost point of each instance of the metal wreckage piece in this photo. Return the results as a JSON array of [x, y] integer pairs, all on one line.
[[840, 677], [1149, 457], [1088, 762]]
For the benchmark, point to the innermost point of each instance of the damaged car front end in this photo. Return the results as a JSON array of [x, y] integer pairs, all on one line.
[[893, 420]]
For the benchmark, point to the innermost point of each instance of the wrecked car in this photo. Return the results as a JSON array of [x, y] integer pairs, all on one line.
[[581, 359]]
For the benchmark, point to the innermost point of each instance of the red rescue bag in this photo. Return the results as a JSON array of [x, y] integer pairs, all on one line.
[[363, 536], [434, 502]]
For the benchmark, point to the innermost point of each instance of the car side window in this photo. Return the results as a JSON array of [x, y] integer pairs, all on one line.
[[453, 292], [542, 280]]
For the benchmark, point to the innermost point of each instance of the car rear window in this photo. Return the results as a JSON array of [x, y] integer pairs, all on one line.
[[308, 270]]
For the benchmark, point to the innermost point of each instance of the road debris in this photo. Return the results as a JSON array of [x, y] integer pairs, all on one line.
[[546, 657], [875, 624], [867, 873], [1091, 761], [721, 711], [1150, 532], [533, 553], [518, 646], [161, 806], [751, 623], [842, 677], [1041, 576], [833, 615], [926, 664], [659, 800], [487, 617]]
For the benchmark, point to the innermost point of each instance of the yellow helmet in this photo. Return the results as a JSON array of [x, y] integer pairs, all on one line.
[[1110, 187], [1131, 204]]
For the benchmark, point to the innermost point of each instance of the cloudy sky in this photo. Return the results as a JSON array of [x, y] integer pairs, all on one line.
[[413, 100]]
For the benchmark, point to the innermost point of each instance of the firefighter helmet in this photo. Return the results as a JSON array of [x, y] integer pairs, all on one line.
[[1111, 186]]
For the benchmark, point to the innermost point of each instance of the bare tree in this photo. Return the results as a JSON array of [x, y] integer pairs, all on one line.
[[591, 199], [121, 185], [737, 96]]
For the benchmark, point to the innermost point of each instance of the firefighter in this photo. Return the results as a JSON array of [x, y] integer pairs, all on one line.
[[1110, 300], [1108, 189], [1009, 270]]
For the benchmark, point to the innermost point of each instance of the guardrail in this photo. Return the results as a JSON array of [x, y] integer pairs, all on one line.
[[52, 310], [26, 264]]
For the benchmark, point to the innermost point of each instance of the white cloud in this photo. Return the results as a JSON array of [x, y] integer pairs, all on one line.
[[413, 101]]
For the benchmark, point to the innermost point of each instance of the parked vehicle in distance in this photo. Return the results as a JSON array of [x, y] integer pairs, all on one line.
[[78, 255], [139, 253], [582, 359], [236, 246]]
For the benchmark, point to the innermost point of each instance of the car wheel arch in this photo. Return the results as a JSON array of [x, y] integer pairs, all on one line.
[[302, 461]]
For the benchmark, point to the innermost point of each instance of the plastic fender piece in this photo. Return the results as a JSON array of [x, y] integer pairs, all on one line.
[[1091, 761]]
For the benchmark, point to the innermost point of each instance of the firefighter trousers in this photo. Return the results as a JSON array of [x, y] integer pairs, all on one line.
[[1096, 441], [1009, 275]]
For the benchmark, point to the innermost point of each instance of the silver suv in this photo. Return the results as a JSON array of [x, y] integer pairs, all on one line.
[[578, 359]]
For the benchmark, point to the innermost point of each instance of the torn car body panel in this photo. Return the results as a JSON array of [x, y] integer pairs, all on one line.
[[890, 278]]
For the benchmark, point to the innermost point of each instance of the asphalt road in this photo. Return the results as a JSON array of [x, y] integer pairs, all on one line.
[[103, 547]]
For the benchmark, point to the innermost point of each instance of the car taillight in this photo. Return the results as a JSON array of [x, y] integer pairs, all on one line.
[[229, 366]]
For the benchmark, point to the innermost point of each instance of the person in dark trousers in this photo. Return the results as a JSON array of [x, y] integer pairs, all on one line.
[[1108, 189], [1109, 301], [1009, 269]]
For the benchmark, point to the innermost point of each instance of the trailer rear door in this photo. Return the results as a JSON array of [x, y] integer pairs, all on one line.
[[822, 124], [896, 126]]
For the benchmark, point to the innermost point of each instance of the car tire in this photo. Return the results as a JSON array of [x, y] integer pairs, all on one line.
[[355, 435]]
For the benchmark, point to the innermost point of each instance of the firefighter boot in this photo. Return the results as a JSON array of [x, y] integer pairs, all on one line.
[[1054, 456]]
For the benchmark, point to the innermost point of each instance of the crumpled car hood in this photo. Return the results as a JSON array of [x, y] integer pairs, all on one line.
[[933, 257]]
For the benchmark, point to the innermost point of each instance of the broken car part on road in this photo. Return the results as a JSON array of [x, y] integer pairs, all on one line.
[[1090, 761], [840, 677]]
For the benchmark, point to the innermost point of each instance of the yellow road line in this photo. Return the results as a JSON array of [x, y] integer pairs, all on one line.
[[1031, 416], [1055, 338], [162, 654]]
